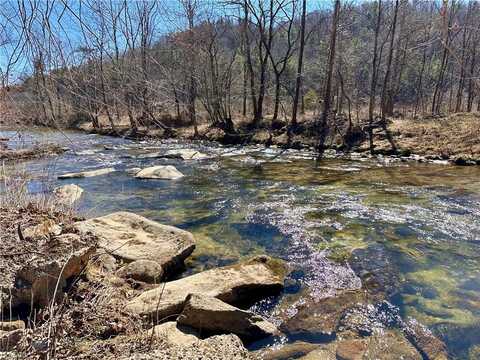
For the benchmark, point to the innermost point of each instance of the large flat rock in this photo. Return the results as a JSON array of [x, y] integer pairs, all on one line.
[[243, 282], [132, 237], [210, 314], [84, 174]]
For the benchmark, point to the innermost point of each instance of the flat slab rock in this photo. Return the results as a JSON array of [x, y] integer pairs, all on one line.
[[213, 315], [132, 237], [248, 281], [167, 172], [84, 174]]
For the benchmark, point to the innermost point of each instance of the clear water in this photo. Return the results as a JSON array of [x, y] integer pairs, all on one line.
[[415, 227]]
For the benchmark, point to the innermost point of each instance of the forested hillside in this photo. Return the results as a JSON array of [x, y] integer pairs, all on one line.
[[342, 67]]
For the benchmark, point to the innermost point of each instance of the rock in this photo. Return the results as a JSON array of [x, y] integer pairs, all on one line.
[[286, 351], [132, 237], [133, 171], [323, 315], [174, 334], [37, 283], [104, 263], [186, 154], [237, 283], [210, 314], [85, 174], [430, 346], [85, 152], [222, 347], [322, 353], [353, 349], [387, 345], [154, 155], [12, 325], [46, 228], [142, 270], [10, 339], [68, 194], [167, 172]]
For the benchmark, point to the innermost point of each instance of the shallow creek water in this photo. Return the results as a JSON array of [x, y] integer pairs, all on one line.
[[415, 227]]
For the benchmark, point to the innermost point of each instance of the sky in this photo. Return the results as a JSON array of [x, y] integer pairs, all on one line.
[[68, 33]]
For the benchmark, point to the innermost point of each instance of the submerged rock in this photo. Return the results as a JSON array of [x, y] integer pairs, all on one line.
[[132, 237], [286, 351], [388, 345], [238, 283], [85, 174], [213, 315], [322, 315], [430, 346], [68, 194], [167, 172]]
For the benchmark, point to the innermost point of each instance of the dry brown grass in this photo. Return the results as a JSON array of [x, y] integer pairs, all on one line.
[[454, 135]]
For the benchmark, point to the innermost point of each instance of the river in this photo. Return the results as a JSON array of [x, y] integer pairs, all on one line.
[[414, 227]]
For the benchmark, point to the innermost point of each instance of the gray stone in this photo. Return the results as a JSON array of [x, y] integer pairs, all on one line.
[[142, 270], [210, 314], [232, 284], [161, 172], [68, 194], [85, 174], [132, 237]]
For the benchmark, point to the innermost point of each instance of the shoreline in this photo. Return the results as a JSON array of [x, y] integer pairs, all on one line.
[[403, 155]]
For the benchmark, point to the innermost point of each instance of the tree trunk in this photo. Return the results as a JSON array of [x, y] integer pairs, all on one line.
[[373, 83], [301, 50], [327, 99]]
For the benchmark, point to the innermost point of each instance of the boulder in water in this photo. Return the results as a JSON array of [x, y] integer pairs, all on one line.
[[248, 281], [167, 172], [210, 314], [84, 174], [186, 154]]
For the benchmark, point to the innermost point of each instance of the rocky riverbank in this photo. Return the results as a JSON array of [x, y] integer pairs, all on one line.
[[111, 287]]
